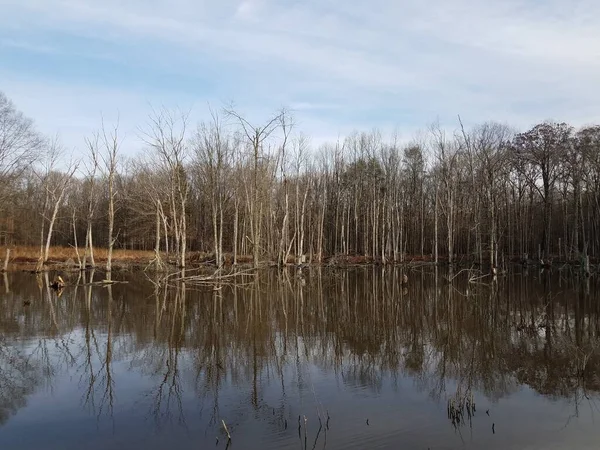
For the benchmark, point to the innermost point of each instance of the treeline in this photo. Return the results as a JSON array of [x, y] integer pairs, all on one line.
[[235, 189]]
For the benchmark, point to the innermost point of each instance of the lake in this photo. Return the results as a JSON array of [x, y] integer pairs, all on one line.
[[318, 359]]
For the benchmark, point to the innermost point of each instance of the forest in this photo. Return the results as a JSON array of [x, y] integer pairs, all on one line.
[[234, 190]]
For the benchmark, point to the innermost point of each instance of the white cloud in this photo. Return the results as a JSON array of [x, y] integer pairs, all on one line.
[[248, 9], [340, 64], [27, 46]]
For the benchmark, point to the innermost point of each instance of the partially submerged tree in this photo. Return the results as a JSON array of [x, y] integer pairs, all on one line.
[[93, 145], [111, 145], [55, 184], [213, 149], [166, 136], [256, 189]]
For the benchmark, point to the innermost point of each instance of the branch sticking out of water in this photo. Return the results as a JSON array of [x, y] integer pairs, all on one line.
[[216, 277], [226, 430]]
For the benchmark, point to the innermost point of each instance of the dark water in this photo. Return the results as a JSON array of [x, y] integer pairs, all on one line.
[[333, 359]]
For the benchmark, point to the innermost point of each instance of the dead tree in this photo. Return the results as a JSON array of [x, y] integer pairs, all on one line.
[[256, 136], [93, 146], [166, 136], [111, 145], [284, 244], [213, 149], [55, 185]]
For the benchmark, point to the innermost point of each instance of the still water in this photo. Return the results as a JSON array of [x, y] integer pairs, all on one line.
[[330, 359]]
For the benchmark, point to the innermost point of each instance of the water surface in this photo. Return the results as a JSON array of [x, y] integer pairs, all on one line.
[[326, 359]]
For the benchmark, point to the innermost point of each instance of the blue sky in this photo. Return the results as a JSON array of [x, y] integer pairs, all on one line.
[[340, 65]]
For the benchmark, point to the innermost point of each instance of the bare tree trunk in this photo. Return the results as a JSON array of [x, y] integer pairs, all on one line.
[[256, 135], [183, 228], [75, 240], [283, 242], [93, 146], [302, 220], [493, 245], [384, 221], [374, 226], [235, 231], [175, 222], [284, 238], [396, 221], [255, 216], [422, 228], [40, 262], [165, 228], [167, 136], [111, 146], [158, 264], [337, 234], [584, 241], [450, 226], [545, 253], [402, 249], [435, 246], [214, 211], [51, 225], [89, 247], [6, 259], [221, 258], [59, 189], [6, 282], [576, 214], [322, 226], [111, 221], [346, 247], [297, 215]]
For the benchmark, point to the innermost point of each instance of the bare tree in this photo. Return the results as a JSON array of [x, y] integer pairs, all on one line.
[[256, 136], [111, 145], [213, 150], [488, 144], [300, 149], [284, 240], [55, 186], [255, 190], [166, 136], [446, 154], [93, 146], [147, 202], [20, 145], [542, 149], [580, 159]]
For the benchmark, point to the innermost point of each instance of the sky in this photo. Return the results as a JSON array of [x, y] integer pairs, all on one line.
[[338, 65]]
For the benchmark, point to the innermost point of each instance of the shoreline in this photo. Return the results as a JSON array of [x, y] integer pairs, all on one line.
[[24, 259]]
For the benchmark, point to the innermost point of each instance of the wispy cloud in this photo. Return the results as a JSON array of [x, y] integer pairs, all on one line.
[[27, 46], [338, 64]]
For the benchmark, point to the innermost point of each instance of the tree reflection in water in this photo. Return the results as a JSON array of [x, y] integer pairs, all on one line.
[[457, 341]]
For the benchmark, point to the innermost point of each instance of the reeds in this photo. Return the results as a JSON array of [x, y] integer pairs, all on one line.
[[461, 409]]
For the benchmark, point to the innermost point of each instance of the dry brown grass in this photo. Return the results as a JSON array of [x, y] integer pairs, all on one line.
[[31, 254]]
